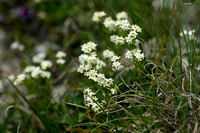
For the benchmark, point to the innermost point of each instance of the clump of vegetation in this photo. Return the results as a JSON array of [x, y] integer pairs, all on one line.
[[129, 68]]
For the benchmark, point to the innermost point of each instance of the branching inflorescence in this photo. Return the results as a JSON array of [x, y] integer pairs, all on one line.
[[91, 65], [40, 69]]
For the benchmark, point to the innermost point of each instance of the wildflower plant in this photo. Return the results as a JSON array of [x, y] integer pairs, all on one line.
[[123, 35], [35, 81], [132, 71], [41, 67], [122, 82]]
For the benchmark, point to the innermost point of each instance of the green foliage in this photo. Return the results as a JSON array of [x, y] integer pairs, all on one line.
[[158, 94]]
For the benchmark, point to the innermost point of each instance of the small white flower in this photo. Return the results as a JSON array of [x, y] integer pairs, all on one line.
[[87, 90], [98, 15], [19, 79], [123, 24], [114, 90], [60, 55], [88, 47], [81, 69], [99, 78], [108, 54], [109, 82], [46, 64], [136, 52], [137, 42], [45, 74], [91, 61], [92, 74], [117, 66], [129, 54], [95, 107], [83, 58], [190, 34], [38, 58], [136, 28], [122, 15], [100, 64], [29, 69], [131, 36], [36, 72], [91, 100], [60, 61], [16, 45], [94, 54], [11, 77], [21, 47], [115, 58], [138, 55], [117, 39], [181, 33], [110, 24]]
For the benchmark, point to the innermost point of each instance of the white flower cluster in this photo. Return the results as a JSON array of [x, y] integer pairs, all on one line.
[[122, 15], [46, 64], [137, 42], [118, 40], [110, 24], [11, 77], [35, 71], [40, 70], [60, 55], [17, 45], [123, 24], [131, 38], [190, 34], [116, 65], [114, 90], [88, 47], [31, 71], [98, 15], [90, 63], [39, 58], [99, 78], [136, 28], [92, 100], [20, 79], [133, 34], [136, 52]]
